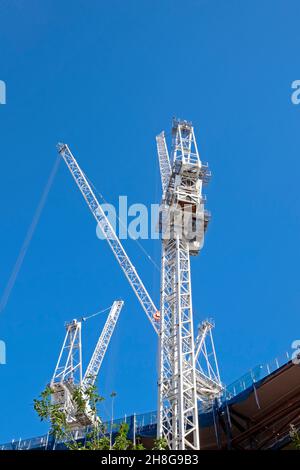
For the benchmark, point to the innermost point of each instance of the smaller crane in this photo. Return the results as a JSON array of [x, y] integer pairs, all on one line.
[[68, 371]]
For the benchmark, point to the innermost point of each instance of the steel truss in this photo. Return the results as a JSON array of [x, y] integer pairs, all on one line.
[[178, 411], [102, 345], [110, 235], [68, 371], [209, 386], [183, 223], [182, 380], [69, 364]]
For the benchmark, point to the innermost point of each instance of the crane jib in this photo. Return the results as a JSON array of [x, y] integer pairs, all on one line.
[[111, 237]]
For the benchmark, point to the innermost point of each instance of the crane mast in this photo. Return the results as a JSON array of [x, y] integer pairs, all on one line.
[[177, 401], [111, 237], [183, 221]]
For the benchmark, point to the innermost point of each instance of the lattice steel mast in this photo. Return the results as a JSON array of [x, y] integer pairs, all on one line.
[[183, 221]]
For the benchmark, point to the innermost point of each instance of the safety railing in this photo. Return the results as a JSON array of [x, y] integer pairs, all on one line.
[[254, 375], [145, 423]]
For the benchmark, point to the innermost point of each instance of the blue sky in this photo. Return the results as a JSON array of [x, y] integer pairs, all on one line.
[[106, 77]]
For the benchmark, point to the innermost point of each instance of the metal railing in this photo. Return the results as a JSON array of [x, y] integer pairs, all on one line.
[[145, 423], [254, 375]]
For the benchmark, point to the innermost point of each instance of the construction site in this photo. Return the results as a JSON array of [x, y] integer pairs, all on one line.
[[149, 245], [195, 409]]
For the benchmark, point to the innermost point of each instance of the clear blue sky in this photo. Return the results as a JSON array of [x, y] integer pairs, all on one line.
[[106, 77]]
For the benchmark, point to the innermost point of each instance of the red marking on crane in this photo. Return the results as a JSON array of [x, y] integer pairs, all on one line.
[[156, 315]]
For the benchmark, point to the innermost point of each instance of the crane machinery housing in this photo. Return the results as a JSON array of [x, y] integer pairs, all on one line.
[[187, 373]]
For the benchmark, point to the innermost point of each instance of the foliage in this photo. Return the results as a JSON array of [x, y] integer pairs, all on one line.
[[160, 444], [138, 446], [121, 441], [295, 436], [49, 411], [97, 438], [59, 427]]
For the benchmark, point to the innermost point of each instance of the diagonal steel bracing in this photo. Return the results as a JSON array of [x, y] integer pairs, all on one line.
[[178, 412]]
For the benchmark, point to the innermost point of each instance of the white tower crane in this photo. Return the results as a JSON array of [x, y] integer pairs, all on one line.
[[180, 382], [68, 371], [183, 221]]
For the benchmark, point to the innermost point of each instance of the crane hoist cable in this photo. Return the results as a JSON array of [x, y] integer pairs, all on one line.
[[95, 314]]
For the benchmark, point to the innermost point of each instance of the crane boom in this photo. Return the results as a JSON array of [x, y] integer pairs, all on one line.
[[111, 237], [164, 161], [102, 344]]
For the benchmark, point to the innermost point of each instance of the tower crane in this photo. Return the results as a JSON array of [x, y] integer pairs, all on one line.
[[183, 221], [68, 371], [181, 384]]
